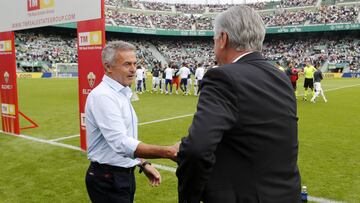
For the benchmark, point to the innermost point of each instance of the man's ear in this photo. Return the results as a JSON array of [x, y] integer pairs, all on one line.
[[107, 68], [224, 40]]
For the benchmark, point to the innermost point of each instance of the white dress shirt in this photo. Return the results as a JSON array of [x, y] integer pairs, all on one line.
[[169, 73], [111, 125], [199, 73], [139, 74], [184, 72]]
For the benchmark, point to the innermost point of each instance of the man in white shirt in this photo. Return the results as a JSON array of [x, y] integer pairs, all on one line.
[[184, 73], [139, 79], [168, 79], [199, 74], [111, 132]]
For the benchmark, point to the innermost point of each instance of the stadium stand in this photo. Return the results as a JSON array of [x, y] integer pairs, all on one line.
[[53, 49], [48, 49], [332, 49], [192, 17], [297, 3], [324, 50]]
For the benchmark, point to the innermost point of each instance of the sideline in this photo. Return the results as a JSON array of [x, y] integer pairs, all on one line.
[[333, 89], [64, 138], [140, 124], [44, 141], [165, 119]]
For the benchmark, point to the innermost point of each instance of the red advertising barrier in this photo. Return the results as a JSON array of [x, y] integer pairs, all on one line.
[[9, 97], [91, 40], [33, 124]]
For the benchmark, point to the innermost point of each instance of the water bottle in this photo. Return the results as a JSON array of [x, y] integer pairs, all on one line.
[[304, 194]]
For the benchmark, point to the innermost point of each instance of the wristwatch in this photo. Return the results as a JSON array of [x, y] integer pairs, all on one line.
[[142, 166]]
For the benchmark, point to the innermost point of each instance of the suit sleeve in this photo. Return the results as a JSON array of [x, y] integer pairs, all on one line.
[[216, 113]]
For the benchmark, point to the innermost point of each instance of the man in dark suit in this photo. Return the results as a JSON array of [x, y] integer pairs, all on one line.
[[242, 144]]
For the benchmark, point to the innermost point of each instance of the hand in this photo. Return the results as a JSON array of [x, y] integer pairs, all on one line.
[[174, 149], [152, 174]]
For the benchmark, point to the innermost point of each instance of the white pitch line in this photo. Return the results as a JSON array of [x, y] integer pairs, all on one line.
[[343, 87], [165, 119], [165, 168], [322, 200], [140, 124], [338, 88], [64, 138], [44, 141]]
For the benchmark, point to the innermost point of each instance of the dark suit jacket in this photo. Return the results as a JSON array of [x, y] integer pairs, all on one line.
[[242, 145]]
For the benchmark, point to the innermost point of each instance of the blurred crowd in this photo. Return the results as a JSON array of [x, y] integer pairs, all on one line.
[[333, 14], [128, 19], [297, 3], [193, 21], [202, 8], [158, 20], [324, 50], [157, 6], [52, 49]]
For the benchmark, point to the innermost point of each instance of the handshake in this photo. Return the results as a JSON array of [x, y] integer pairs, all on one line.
[[147, 151]]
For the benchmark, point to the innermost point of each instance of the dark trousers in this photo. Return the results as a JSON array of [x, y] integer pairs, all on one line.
[[144, 84], [199, 85], [183, 84], [167, 81], [138, 86], [110, 184]]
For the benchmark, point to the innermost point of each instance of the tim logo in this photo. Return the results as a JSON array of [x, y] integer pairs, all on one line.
[[91, 79], [33, 5], [6, 77], [90, 38]]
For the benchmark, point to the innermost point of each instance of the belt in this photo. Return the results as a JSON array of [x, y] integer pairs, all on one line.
[[112, 168]]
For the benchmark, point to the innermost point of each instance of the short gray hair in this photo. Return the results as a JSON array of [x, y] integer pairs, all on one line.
[[244, 27], [109, 52]]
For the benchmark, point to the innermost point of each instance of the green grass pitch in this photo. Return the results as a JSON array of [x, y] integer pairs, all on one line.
[[329, 137]]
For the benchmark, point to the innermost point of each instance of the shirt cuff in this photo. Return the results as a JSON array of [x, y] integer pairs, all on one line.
[[131, 144]]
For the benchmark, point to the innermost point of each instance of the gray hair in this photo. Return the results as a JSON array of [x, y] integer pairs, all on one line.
[[244, 27], [109, 52]]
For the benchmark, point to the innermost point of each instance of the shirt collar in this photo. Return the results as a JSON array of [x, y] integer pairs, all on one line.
[[117, 86], [242, 55]]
